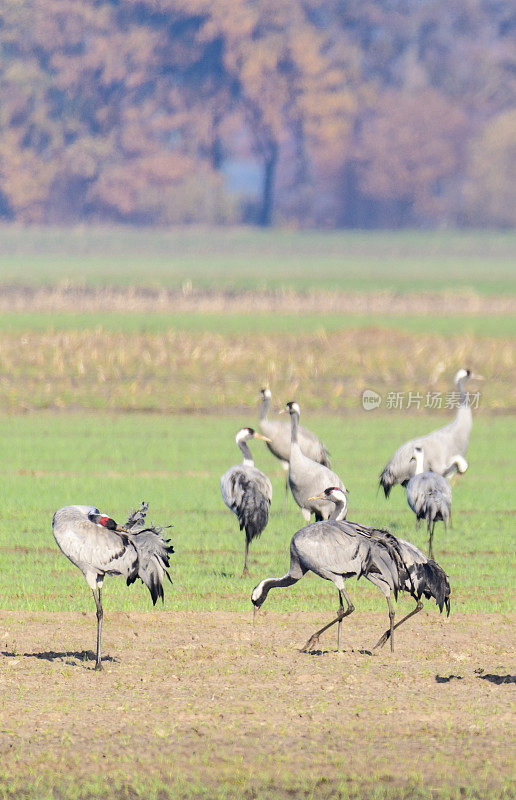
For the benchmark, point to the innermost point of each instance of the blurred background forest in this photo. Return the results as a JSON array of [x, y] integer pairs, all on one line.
[[306, 113]]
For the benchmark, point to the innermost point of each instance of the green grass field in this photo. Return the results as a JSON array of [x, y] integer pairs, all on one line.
[[137, 322], [245, 258], [175, 464], [113, 407]]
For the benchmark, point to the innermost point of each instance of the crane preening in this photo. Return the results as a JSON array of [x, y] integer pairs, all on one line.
[[247, 491], [445, 448], [99, 546], [336, 550]]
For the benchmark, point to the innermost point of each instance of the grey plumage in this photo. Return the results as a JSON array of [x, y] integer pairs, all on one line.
[[307, 477], [98, 546], [247, 492], [278, 431], [336, 550], [429, 496], [442, 447]]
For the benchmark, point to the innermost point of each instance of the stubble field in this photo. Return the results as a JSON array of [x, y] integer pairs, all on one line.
[[111, 395]]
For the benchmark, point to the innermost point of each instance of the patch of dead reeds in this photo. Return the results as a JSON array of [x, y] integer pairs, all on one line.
[[197, 371]]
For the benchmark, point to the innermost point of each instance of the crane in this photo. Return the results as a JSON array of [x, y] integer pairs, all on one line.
[[336, 550], [278, 433], [247, 491], [429, 495], [99, 546], [442, 447], [307, 477]]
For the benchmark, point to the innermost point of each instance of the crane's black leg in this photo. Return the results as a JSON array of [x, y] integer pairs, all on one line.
[[339, 626], [388, 634], [98, 602], [431, 526], [246, 571], [313, 640], [391, 623]]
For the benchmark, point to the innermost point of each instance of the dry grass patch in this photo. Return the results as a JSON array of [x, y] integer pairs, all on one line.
[[188, 371]]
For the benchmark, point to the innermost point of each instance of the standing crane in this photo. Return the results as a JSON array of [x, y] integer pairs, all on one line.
[[429, 495], [98, 546], [336, 550], [307, 477], [247, 491], [444, 448], [278, 433]]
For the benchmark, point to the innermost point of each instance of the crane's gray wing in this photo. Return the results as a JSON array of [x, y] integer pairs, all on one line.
[[153, 559], [91, 546], [327, 550], [247, 492], [312, 447], [235, 482], [421, 487], [136, 518], [439, 447], [424, 576], [279, 432]]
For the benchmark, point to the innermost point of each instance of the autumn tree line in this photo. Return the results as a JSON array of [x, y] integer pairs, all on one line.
[[325, 113]]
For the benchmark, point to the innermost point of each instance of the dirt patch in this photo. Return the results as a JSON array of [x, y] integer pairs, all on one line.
[[84, 299], [211, 700]]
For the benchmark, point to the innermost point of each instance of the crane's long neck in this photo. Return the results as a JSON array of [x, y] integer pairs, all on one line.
[[248, 456], [263, 588], [339, 512], [463, 420], [420, 458], [294, 427], [264, 408], [464, 396]]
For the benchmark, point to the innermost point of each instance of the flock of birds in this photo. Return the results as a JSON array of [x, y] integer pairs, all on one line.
[[332, 547]]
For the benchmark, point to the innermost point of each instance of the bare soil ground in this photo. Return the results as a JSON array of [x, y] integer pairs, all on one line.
[[84, 299], [209, 700]]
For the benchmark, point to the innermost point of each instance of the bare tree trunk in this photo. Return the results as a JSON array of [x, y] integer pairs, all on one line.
[[269, 174]]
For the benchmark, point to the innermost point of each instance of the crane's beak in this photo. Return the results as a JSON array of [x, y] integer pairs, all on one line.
[[318, 497], [475, 377], [256, 611], [283, 411], [259, 436]]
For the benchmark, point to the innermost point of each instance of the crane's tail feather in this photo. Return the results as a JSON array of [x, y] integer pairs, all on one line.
[[253, 513], [325, 458], [432, 581], [153, 550], [136, 518], [436, 507], [383, 557], [387, 481], [153, 560]]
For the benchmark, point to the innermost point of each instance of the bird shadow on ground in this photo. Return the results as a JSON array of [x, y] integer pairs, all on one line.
[[498, 679], [74, 658], [447, 678], [330, 651]]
